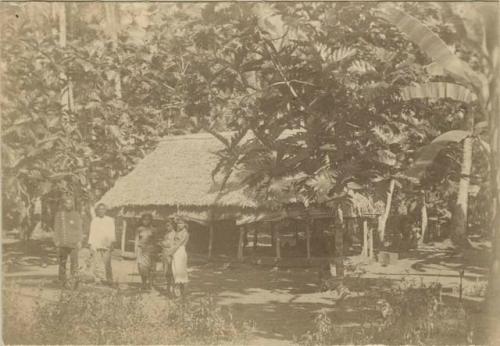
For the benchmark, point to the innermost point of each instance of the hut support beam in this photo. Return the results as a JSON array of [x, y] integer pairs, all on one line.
[[124, 236], [277, 242], [210, 238], [241, 243], [273, 234], [255, 238], [371, 254], [296, 228], [308, 238]]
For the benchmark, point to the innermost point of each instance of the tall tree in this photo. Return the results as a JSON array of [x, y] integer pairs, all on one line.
[[113, 20]]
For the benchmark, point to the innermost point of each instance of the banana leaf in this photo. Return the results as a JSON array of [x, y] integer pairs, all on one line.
[[431, 44], [438, 90], [429, 152]]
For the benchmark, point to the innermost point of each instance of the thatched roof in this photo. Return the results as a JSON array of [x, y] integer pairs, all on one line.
[[177, 178], [178, 173]]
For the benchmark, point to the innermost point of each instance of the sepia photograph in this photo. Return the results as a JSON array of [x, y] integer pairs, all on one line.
[[262, 173]]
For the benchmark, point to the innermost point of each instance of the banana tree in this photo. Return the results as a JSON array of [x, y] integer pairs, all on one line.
[[474, 88], [437, 90], [478, 27]]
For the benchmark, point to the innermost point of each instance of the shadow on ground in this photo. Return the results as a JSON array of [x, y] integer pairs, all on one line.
[[281, 301]]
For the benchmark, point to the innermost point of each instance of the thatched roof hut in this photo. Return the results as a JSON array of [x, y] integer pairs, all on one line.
[[177, 176]]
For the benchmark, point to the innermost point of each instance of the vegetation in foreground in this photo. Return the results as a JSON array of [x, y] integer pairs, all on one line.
[[89, 317], [413, 315]]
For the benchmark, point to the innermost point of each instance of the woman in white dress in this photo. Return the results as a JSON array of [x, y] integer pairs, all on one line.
[[179, 259], [168, 250]]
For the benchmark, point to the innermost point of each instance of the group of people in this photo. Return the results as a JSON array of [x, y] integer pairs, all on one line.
[[151, 245], [169, 246]]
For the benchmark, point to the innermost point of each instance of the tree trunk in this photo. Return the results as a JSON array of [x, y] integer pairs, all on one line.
[[385, 216], [364, 251], [424, 220], [339, 244], [459, 222], [492, 300], [53, 11], [113, 20], [67, 98], [62, 25]]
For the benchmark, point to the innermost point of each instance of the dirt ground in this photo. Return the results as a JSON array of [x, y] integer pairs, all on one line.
[[282, 301]]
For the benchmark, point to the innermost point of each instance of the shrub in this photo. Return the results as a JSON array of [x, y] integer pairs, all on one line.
[[411, 314], [111, 317]]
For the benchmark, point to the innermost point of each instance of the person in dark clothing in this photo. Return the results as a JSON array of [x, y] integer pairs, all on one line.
[[146, 247], [68, 235]]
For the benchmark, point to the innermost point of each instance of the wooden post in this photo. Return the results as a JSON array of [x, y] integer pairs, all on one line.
[[210, 238], [240, 243], [255, 238], [364, 253], [296, 228], [277, 242], [339, 244], [271, 231], [370, 243], [245, 237], [124, 235], [308, 238]]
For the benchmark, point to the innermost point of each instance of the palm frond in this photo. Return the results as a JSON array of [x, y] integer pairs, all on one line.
[[341, 54], [361, 66]]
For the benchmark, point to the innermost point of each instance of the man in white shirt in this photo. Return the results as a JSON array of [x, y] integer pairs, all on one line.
[[101, 239]]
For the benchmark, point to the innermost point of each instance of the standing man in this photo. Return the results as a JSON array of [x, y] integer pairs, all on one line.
[[101, 239], [68, 239]]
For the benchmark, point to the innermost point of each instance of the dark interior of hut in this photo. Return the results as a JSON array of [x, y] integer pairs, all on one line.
[[259, 239]]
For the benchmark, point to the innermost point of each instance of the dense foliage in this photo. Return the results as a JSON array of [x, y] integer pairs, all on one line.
[[328, 73]]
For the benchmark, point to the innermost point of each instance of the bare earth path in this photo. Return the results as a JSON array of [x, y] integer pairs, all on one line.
[[282, 302]]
